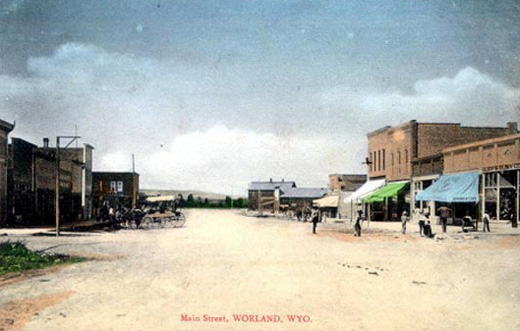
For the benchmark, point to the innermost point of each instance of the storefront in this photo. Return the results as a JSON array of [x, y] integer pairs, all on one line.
[[418, 185], [349, 206], [389, 202], [457, 192], [328, 205], [498, 163], [500, 193]]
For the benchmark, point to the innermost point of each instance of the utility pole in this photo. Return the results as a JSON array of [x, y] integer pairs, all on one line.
[[231, 196], [134, 189], [57, 172]]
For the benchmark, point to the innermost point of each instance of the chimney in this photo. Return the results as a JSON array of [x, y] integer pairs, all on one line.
[[270, 180], [283, 180], [513, 127], [45, 142]]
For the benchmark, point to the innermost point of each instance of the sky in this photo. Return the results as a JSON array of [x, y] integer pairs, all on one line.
[[210, 95]]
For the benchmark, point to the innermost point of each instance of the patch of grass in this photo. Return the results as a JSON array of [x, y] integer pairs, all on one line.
[[16, 257]]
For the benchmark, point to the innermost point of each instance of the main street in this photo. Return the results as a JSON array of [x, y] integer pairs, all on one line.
[[224, 270]]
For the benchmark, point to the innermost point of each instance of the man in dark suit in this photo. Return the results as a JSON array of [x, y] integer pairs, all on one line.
[[357, 226], [315, 218], [444, 213]]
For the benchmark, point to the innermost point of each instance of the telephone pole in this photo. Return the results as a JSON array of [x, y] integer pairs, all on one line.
[[57, 172]]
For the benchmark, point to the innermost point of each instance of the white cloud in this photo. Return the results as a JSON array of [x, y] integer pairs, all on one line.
[[124, 104], [116, 161], [470, 97], [224, 160]]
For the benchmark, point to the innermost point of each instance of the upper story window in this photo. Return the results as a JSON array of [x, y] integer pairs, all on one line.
[[384, 161], [379, 160], [399, 162], [3, 146]]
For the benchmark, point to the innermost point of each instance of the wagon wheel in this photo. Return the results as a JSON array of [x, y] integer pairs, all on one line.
[[132, 224], [147, 223], [166, 222], [179, 220], [157, 223]]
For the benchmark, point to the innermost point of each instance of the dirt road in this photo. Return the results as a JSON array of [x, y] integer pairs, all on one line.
[[270, 274]]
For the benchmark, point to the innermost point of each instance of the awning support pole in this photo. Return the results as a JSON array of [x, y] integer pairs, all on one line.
[[517, 195], [386, 209], [369, 214], [483, 202], [499, 177]]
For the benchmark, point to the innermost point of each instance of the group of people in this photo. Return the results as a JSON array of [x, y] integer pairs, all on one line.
[[425, 225], [108, 212], [425, 228], [304, 215], [315, 217]]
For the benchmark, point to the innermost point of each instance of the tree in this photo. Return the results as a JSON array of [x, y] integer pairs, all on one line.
[[182, 202], [190, 202], [240, 203], [228, 201]]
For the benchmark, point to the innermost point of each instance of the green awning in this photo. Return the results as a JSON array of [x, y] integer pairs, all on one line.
[[388, 191]]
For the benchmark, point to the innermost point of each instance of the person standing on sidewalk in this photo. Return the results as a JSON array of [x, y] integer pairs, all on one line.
[[111, 214], [485, 220], [428, 230], [404, 219], [444, 213], [357, 226], [315, 218], [512, 217], [422, 221]]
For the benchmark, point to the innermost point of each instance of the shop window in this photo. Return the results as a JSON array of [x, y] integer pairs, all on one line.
[[427, 183], [491, 180], [507, 179]]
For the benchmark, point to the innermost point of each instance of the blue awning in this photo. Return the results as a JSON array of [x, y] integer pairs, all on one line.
[[452, 188]]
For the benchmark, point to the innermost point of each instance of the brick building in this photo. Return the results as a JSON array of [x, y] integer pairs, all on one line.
[[497, 161], [32, 183], [76, 174], [5, 129], [412, 152], [348, 183], [117, 188]]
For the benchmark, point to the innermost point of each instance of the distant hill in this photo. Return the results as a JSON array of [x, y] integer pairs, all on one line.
[[185, 193]]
